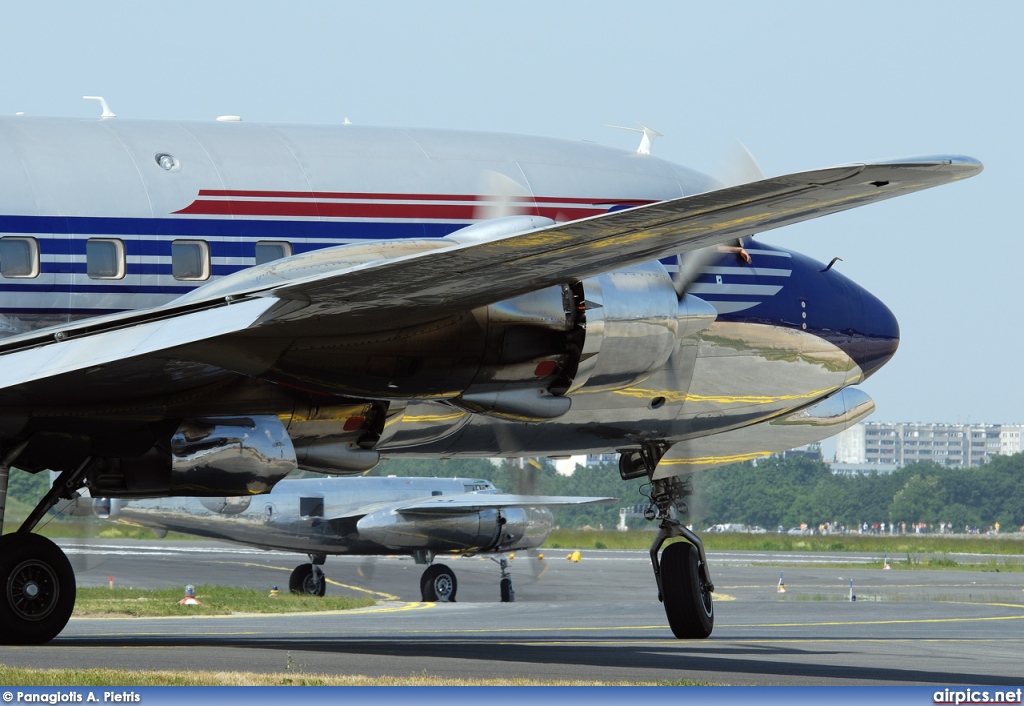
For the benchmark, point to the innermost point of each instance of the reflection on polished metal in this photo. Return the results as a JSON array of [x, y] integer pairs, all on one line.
[[307, 264], [404, 331], [498, 227], [515, 405], [813, 423], [230, 456], [632, 327], [332, 456], [486, 530]]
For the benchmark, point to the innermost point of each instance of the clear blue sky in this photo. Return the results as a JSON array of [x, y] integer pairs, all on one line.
[[802, 84]]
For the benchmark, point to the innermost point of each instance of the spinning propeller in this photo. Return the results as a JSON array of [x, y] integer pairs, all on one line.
[[741, 168]]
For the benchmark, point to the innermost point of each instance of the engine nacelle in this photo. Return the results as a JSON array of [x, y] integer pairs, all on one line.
[[106, 508], [204, 457], [604, 333], [632, 327], [486, 530], [239, 456], [520, 358]]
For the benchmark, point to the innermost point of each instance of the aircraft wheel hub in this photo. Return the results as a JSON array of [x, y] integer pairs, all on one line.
[[443, 587], [32, 590]]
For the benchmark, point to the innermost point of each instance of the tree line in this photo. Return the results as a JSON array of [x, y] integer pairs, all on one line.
[[777, 491], [772, 492], [793, 491]]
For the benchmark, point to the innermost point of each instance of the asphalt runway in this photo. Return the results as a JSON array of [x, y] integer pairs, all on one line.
[[598, 619]]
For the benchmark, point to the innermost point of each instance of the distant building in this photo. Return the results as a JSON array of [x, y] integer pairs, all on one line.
[[811, 451], [878, 444]]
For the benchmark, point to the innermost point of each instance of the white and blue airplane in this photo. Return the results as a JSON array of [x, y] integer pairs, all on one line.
[[359, 516], [199, 308]]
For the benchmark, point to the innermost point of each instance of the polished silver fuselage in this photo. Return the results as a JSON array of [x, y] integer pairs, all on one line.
[[786, 336], [358, 515]]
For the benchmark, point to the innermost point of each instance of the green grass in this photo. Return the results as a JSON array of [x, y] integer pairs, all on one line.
[[1010, 566], [894, 545], [291, 676], [216, 600], [57, 528]]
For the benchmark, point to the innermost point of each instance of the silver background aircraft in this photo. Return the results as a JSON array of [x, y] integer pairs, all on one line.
[[361, 515], [437, 294]]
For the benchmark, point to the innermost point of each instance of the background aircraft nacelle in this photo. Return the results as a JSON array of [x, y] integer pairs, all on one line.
[[485, 530]]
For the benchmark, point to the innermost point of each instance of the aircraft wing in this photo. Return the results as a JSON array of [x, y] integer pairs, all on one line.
[[475, 502], [178, 341], [458, 278]]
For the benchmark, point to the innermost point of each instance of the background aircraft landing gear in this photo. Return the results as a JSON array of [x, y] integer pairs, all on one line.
[[684, 582], [308, 579], [438, 584], [37, 589], [507, 592]]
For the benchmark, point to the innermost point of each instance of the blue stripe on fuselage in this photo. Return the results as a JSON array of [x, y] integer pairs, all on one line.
[[226, 227]]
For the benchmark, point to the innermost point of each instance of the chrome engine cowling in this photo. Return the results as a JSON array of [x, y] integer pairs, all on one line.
[[484, 530], [632, 327], [247, 455], [204, 457], [604, 333], [106, 508]]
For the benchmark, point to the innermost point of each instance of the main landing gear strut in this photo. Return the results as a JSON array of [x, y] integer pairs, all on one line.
[[37, 583], [681, 571], [438, 584]]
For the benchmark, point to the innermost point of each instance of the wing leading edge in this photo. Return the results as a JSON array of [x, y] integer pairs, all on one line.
[[476, 502]]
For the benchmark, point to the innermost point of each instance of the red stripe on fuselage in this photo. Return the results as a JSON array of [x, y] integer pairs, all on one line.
[[336, 204], [314, 209], [472, 198]]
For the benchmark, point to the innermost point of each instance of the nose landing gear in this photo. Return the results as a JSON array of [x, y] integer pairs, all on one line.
[[505, 588], [684, 582], [681, 570]]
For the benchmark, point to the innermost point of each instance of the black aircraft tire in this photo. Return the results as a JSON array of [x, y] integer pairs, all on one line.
[[302, 581], [507, 594], [438, 584], [37, 589], [688, 605]]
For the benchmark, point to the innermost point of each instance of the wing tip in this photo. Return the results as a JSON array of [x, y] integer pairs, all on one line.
[[959, 166]]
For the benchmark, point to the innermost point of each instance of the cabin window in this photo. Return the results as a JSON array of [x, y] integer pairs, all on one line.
[[19, 257], [104, 258], [270, 250], [190, 259]]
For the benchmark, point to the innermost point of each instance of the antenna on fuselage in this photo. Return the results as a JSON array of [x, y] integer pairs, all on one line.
[[107, 112], [648, 136]]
